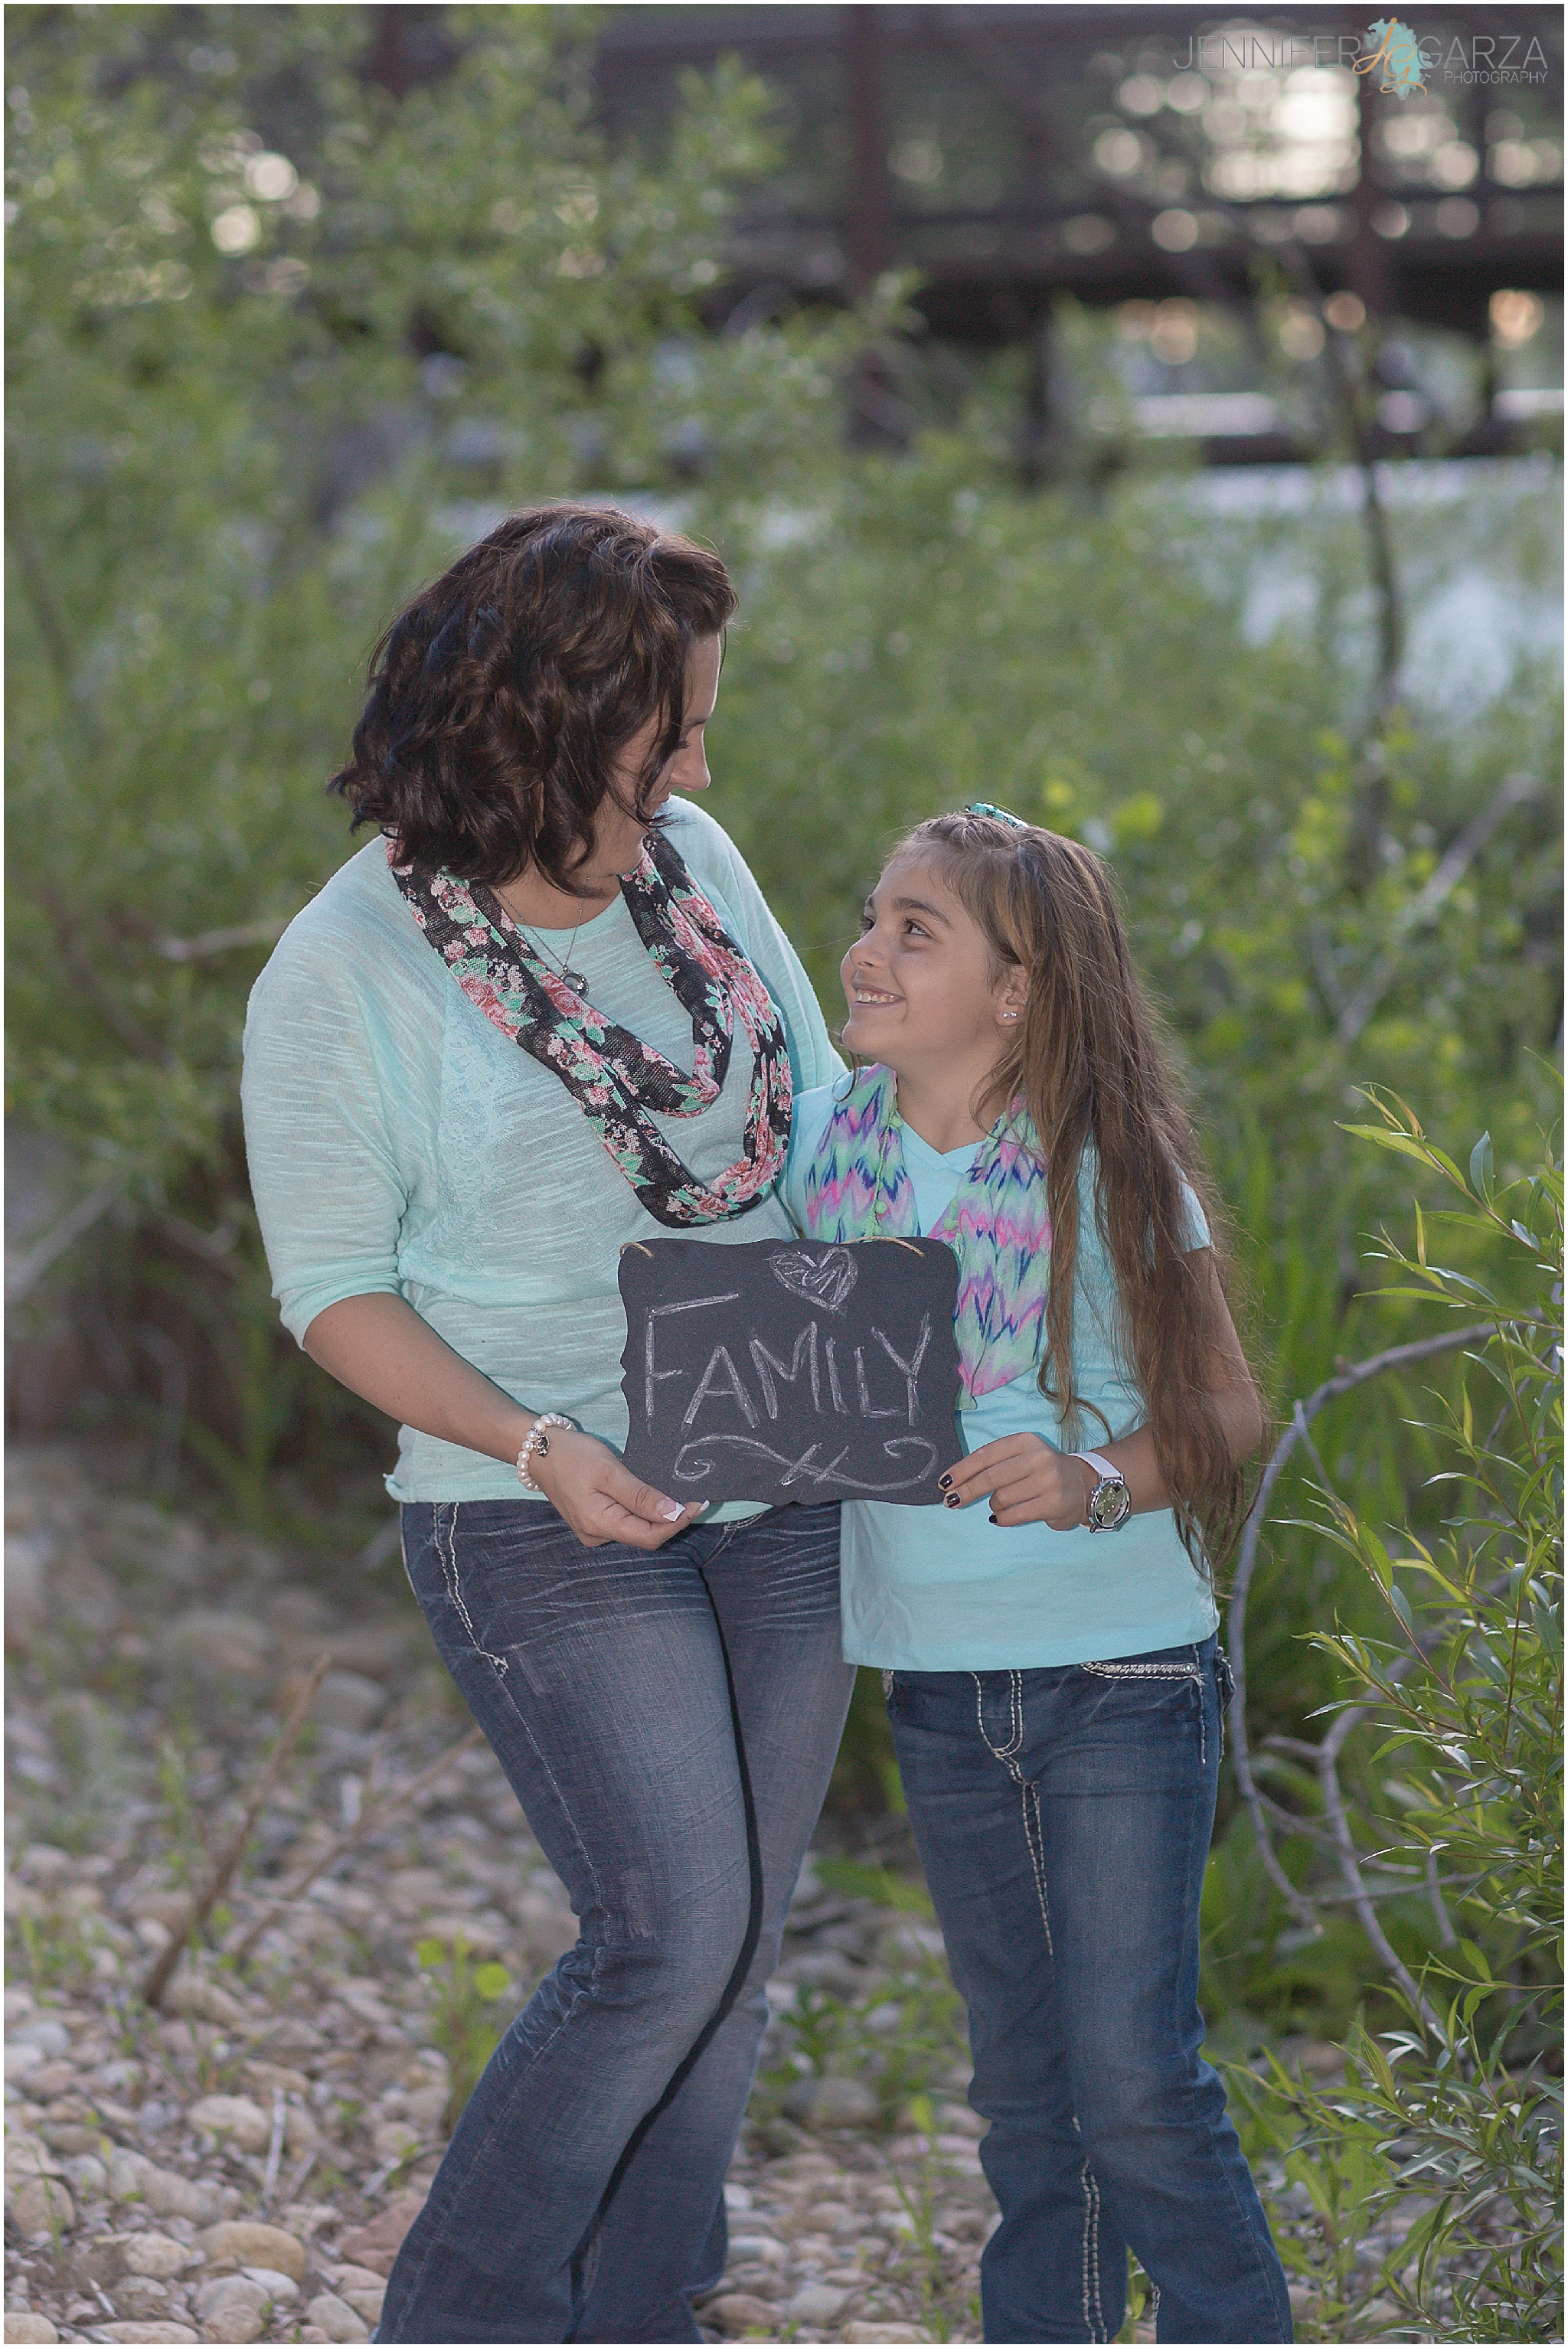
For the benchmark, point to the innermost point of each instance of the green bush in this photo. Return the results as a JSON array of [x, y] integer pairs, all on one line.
[[1445, 2143]]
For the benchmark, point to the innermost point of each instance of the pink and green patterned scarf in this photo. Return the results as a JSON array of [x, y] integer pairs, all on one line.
[[614, 1077], [857, 1188]]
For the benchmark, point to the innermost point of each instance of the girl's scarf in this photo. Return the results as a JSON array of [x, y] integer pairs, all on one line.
[[616, 1080], [857, 1188]]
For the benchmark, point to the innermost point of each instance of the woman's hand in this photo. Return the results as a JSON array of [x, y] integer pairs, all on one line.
[[1028, 1483], [600, 1500]]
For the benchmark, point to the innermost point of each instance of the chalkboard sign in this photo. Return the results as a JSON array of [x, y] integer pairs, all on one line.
[[789, 1370]]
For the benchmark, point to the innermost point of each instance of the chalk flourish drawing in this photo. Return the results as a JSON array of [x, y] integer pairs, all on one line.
[[691, 1467], [819, 1279]]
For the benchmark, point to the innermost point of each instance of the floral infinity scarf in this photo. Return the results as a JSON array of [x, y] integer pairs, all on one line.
[[614, 1077], [857, 1188]]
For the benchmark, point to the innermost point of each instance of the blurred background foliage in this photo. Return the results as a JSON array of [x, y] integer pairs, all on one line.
[[283, 342]]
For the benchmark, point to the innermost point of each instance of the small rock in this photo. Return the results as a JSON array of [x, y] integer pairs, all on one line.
[[816, 2302], [336, 2318], [234, 2308], [831, 2103], [143, 2296], [133, 2177], [22, 2324], [40, 2204], [349, 1700], [157, 2255], [391, 2139], [376, 2245], [738, 2312], [276, 2285], [758, 2246], [22, 2056], [346, 2278], [51, 2079], [365, 2302], [246, 2242], [225, 1643], [142, 2331], [87, 2172], [858, 2330], [235, 2117], [203, 2001], [26, 2157], [50, 2036]]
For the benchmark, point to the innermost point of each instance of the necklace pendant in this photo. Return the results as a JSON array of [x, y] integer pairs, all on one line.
[[575, 980]]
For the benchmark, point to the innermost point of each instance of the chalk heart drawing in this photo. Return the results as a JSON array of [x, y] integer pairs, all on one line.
[[819, 1279]]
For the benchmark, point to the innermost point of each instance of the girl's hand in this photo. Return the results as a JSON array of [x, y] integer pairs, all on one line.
[[600, 1500], [1028, 1483]]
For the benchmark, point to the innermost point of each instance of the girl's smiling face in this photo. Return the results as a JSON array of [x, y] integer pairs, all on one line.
[[918, 979]]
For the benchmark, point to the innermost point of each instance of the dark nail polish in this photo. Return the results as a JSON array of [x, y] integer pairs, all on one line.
[[944, 1483], [951, 1501], [993, 1520]]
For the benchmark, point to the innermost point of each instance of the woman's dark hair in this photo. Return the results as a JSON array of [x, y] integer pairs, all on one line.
[[502, 696]]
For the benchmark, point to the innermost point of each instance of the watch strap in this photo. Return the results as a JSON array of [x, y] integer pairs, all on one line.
[[1104, 1465]]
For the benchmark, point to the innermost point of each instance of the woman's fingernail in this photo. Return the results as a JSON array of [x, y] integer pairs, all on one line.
[[944, 1483], [951, 1501], [993, 1520], [671, 1514]]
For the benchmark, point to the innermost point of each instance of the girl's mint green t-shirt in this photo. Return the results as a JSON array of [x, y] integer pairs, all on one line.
[[399, 1144], [944, 1590]]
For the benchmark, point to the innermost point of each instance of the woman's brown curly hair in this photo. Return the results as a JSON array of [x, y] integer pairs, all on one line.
[[502, 696]]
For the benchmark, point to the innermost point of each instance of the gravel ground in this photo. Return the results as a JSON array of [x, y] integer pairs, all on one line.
[[242, 2164]]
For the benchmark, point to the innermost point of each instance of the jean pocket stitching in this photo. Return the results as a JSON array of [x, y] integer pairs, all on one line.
[[1006, 1754], [1143, 1670], [447, 1555]]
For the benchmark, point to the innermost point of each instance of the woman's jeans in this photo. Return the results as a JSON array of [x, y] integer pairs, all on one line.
[[668, 1721], [1063, 1816]]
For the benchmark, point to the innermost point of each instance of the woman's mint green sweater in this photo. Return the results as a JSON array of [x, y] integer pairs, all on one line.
[[400, 1145]]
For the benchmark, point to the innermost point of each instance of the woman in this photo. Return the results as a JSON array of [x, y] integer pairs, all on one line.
[[549, 1014]]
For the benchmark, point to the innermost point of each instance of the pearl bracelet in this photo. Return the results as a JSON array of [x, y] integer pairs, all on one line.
[[536, 1439]]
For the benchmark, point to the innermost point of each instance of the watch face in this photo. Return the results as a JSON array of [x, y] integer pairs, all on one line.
[[1110, 1506]]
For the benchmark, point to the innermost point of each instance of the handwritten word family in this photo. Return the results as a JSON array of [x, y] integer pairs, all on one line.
[[736, 1389]]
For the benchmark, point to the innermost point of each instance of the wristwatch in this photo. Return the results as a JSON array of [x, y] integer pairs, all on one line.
[[1111, 1502]]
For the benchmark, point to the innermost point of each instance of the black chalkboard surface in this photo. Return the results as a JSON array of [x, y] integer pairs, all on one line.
[[789, 1370]]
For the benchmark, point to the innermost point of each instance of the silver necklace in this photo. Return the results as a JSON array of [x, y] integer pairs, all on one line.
[[570, 977]]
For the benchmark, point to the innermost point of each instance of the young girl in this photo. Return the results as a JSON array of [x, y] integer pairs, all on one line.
[[1047, 1639]]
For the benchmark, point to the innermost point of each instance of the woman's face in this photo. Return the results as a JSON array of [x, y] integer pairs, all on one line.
[[617, 836], [918, 981]]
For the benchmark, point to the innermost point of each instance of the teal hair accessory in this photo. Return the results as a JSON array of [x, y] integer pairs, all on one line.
[[1003, 815]]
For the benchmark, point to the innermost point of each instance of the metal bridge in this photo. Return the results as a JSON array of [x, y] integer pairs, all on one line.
[[1012, 156]]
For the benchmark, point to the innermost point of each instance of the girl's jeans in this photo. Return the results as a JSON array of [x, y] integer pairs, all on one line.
[[668, 1721], [1063, 1817]]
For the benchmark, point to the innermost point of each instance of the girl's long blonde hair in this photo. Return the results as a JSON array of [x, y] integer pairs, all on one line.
[[1093, 1064]]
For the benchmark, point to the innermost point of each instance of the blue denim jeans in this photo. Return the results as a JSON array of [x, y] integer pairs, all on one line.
[[668, 1722], [1063, 1817]]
